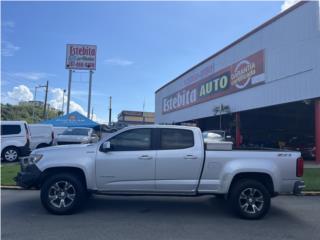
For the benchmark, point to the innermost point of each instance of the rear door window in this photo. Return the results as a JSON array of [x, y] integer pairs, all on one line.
[[176, 139], [10, 129]]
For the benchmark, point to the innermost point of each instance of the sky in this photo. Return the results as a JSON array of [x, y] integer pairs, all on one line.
[[140, 47]]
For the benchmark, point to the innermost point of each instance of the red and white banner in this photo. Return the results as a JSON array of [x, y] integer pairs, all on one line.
[[80, 56], [244, 74]]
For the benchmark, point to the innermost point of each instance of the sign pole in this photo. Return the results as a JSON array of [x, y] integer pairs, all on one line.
[[62, 110], [110, 110], [89, 96], [69, 91]]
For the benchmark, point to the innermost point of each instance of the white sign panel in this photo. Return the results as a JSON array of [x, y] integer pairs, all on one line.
[[80, 56]]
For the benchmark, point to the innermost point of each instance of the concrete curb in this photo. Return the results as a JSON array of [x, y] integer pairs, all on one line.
[[304, 193], [311, 193], [11, 187]]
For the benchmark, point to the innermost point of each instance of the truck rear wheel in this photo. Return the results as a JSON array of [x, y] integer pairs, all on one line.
[[63, 193], [249, 199]]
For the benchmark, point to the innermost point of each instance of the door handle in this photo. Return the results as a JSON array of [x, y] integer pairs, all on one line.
[[145, 157], [189, 156]]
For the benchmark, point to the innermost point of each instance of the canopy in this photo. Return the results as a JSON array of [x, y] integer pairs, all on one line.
[[74, 119]]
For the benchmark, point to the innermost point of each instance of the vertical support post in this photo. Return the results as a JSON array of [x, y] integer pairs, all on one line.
[[220, 116], [62, 109], [45, 101], [110, 110], [238, 130], [89, 95], [69, 91], [317, 128]]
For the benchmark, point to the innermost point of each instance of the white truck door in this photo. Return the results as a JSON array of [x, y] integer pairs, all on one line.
[[179, 160], [129, 165]]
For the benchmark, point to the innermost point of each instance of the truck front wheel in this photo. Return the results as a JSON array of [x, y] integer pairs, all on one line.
[[249, 199], [62, 193]]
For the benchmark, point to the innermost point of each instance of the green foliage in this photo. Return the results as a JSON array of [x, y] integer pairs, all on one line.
[[25, 113], [8, 172], [311, 178]]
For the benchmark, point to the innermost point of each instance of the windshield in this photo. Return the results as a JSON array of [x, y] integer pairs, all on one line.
[[76, 131]]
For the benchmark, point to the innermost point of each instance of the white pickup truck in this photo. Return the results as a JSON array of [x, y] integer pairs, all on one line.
[[161, 160]]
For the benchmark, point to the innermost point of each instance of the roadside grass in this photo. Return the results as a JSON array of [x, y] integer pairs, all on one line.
[[311, 176], [8, 172]]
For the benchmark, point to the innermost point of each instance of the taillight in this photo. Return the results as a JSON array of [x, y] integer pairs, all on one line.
[[300, 167]]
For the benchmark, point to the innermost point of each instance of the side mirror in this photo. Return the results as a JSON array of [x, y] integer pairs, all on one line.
[[106, 146]]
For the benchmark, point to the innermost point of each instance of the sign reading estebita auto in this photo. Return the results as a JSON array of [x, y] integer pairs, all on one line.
[[81, 56], [244, 74]]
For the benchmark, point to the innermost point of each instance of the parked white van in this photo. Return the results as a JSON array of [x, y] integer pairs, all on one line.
[[15, 140], [42, 135]]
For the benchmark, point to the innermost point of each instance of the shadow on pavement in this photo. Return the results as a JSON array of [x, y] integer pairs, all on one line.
[[201, 208]]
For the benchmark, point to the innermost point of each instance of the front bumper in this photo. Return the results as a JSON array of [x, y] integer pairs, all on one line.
[[28, 177], [298, 187]]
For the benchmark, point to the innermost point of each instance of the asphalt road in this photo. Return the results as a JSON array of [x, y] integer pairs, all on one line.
[[114, 217]]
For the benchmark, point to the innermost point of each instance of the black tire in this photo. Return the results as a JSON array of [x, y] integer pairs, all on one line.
[[8, 153], [75, 187], [249, 199], [219, 196]]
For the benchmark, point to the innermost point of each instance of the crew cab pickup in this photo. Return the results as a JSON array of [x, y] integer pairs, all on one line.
[[161, 160]]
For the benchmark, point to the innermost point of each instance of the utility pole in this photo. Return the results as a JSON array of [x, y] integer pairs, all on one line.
[[110, 110], [89, 95], [34, 102], [35, 97], [45, 101], [69, 90]]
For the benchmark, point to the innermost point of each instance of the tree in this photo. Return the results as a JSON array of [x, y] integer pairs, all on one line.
[[25, 113]]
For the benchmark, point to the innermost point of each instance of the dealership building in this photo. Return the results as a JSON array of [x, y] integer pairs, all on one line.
[[263, 89]]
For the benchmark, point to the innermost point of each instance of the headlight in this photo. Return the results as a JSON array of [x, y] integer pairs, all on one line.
[[34, 158]]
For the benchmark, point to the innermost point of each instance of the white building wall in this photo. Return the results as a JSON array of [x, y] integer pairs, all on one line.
[[292, 67]]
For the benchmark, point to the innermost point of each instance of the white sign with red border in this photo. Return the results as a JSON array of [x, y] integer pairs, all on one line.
[[81, 56]]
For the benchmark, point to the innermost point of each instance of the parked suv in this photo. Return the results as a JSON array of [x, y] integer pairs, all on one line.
[[15, 140], [42, 135]]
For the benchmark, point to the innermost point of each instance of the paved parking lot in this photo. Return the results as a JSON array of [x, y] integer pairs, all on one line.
[[114, 217]]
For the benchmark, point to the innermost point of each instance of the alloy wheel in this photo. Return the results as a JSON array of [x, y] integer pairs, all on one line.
[[62, 194], [251, 201]]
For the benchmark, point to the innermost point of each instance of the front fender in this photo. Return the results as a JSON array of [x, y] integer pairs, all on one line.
[[84, 161]]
